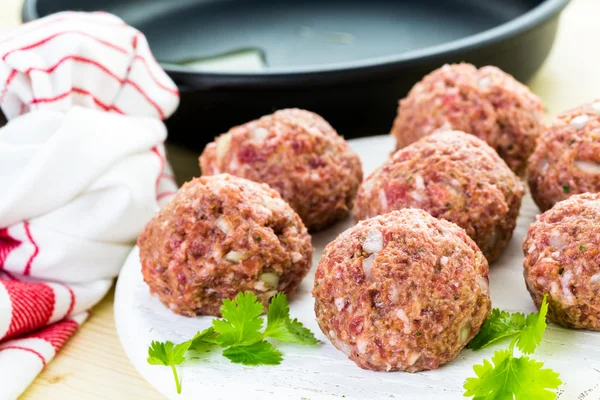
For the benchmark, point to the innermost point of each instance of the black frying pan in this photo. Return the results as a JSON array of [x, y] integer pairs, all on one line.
[[348, 60]]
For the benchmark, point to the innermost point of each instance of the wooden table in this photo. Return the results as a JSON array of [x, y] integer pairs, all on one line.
[[93, 364]]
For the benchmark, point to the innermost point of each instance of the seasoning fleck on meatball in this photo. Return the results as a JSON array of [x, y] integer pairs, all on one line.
[[566, 160], [454, 176], [401, 291], [221, 235], [485, 102], [562, 259], [298, 154]]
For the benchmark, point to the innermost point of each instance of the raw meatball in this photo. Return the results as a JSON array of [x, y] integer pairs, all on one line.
[[221, 235], [485, 102], [562, 259], [298, 154], [401, 291], [566, 160], [454, 176]]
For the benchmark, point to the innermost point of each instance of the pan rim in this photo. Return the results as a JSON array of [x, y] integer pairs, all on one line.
[[533, 18]]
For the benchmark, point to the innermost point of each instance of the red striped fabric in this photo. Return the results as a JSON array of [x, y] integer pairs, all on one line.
[[161, 159], [36, 249], [7, 244], [149, 99], [63, 33], [101, 67], [162, 195], [8, 275], [72, 300], [9, 80], [125, 81], [57, 334], [169, 177], [32, 306], [154, 78], [22, 348], [75, 58], [79, 91], [64, 61]]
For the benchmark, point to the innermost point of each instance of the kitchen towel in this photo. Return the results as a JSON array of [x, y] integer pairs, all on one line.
[[82, 169]]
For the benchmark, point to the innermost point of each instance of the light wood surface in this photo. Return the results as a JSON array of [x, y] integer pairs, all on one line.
[[92, 365]]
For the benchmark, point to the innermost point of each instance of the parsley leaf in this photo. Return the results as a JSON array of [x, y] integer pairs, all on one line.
[[241, 323], [280, 326], [204, 340], [168, 354], [509, 377], [500, 324], [260, 353], [239, 332], [535, 325]]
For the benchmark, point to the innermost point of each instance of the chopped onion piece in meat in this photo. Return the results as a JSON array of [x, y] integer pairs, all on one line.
[[340, 303], [401, 314], [417, 196], [361, 346], [373, 242], [484, 82], [236, 256], [259, 134], [588, 166], [465, 331], [383, 199], [270, 279], [367, 264], [296, 257], [223, 144], [565, 282], [419, 182], [223, 224], [557, 241], [412, 359], [580, 121], [272, 203], [484, 284], [543, 166]]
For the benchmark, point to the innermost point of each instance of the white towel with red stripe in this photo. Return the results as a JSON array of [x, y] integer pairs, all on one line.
[[82, 169]]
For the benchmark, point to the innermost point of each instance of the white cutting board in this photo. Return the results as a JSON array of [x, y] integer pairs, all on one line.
[[322, 372]]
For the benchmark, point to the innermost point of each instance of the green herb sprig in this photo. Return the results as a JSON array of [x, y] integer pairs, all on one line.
[[508, 376], [240, 335]]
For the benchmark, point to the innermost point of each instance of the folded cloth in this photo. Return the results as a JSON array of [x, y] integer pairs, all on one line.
[[82, 169]]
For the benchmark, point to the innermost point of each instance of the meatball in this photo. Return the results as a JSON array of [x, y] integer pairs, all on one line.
[[485, 102], [454, 176], [298, 154], [401, 291], [221, 235], [566, 160], [562, 259]]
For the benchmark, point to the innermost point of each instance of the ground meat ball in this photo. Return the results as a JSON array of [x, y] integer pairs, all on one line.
[[486, 102], [221, 235], [566, 160], [298, 154], [401, 291], [454, 176], [562, 259]]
